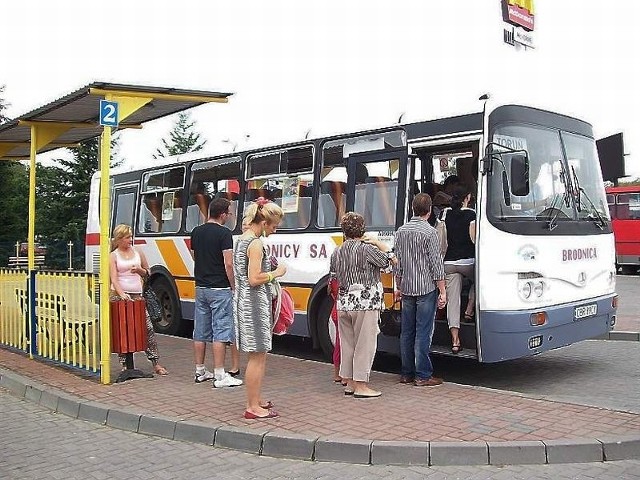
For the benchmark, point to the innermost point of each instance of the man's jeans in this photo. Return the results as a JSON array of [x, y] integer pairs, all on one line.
[[418, 317]]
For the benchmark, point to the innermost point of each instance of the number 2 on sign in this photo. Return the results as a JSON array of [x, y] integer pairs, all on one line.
[[109, 113]]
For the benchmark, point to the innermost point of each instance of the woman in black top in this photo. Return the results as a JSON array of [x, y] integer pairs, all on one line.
[[459, 261]]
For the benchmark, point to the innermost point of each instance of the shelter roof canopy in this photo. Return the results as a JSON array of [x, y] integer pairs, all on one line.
[[79, 111]]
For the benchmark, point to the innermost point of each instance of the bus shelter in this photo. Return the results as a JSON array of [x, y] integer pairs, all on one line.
[[96, 109]]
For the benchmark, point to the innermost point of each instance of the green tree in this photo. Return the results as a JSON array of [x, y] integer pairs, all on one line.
[[62, 202], [3, 105], [182, 139], [14, 207]]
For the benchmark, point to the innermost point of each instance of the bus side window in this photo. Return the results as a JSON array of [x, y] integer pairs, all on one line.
[[150, 213], [171, 224], [634, 206], [611, 201], [198, 212]]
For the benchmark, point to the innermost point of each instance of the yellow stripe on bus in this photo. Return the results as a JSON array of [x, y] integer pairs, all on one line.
[[186, 289], [300, 297], [172, 258]]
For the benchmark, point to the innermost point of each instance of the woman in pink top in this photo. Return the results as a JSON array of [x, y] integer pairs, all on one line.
[[127, 267]]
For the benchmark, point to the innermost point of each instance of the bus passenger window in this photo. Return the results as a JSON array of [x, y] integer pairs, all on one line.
[[150, 214], [171, 212], [611, 202], [332, 203], [376, 195], [213, 179]]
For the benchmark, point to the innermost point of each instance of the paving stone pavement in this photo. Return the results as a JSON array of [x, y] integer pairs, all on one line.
[[37, 444], [311, 403]]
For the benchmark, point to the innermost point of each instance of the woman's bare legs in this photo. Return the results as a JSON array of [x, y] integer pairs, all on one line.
[[235, 359], [455, 339], [253, 381]]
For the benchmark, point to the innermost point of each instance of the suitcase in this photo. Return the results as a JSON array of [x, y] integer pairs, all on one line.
[[128, 326]]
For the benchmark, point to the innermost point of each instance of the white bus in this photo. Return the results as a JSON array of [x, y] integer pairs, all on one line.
[[545, 271]]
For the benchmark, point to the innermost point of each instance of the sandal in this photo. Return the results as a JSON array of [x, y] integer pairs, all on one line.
[[469, 317], [456, 348], [160, 370]]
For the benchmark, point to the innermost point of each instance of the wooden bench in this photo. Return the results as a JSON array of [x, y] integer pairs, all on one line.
[[23, 262]]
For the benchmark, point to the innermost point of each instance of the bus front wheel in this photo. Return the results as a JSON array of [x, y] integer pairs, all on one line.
[[171, 315], [325, 328]]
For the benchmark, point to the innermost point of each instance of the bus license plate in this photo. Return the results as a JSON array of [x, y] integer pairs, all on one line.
[[585, 311]]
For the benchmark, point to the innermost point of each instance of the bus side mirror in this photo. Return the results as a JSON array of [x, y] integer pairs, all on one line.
[[486, 164], [519, 175]]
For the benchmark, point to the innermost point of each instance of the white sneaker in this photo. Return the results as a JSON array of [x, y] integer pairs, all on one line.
[[204, 376], [227, 381]]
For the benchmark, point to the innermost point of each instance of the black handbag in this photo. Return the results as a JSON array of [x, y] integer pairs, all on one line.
[[153, 304], [390, 322]]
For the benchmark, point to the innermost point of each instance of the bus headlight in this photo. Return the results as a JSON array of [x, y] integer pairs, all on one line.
[[526, 289], [538, 289]]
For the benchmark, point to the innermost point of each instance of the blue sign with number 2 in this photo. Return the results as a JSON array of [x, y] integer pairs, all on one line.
[[108, 113]]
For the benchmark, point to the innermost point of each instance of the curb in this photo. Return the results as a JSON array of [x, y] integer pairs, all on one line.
[[620, 335], [280, 444]]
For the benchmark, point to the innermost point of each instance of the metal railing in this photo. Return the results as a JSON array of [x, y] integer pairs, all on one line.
[[52, 315]]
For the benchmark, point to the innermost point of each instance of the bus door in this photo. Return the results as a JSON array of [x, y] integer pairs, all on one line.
[[376, 189]]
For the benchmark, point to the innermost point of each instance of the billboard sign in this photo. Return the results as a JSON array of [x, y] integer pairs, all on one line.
[[518, 13]]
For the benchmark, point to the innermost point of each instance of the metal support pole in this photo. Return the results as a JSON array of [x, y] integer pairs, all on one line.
[[104, 280]]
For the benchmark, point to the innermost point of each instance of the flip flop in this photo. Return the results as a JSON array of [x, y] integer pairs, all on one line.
[[252, 416]]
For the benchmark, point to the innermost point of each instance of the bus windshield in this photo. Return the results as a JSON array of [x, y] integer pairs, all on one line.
[[562, 182]]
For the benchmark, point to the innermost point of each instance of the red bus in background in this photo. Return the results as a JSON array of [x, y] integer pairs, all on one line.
[[624, 207]]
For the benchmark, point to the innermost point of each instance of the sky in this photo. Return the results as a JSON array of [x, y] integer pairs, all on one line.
[[325, 67]]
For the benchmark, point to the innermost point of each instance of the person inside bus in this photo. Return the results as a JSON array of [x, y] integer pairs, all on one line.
[[442, 198], [356, 266], [198, 211], [252, 300], [128, 267], [459, 261]]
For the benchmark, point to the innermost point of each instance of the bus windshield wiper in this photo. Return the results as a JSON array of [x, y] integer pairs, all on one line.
[[598, 219], [553, 221]]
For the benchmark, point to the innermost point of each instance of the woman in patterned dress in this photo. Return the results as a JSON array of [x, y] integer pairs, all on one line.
[[253, 299], [357, 265]]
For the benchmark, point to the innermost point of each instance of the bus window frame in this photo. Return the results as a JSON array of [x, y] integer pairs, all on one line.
[[207, 164], [279, 151], [352, 139], [146, 191], [283, 174], [401, 154], [117, 190]]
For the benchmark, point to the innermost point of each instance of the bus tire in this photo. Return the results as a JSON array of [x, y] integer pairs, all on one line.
[[171, 314], [325, 328]]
